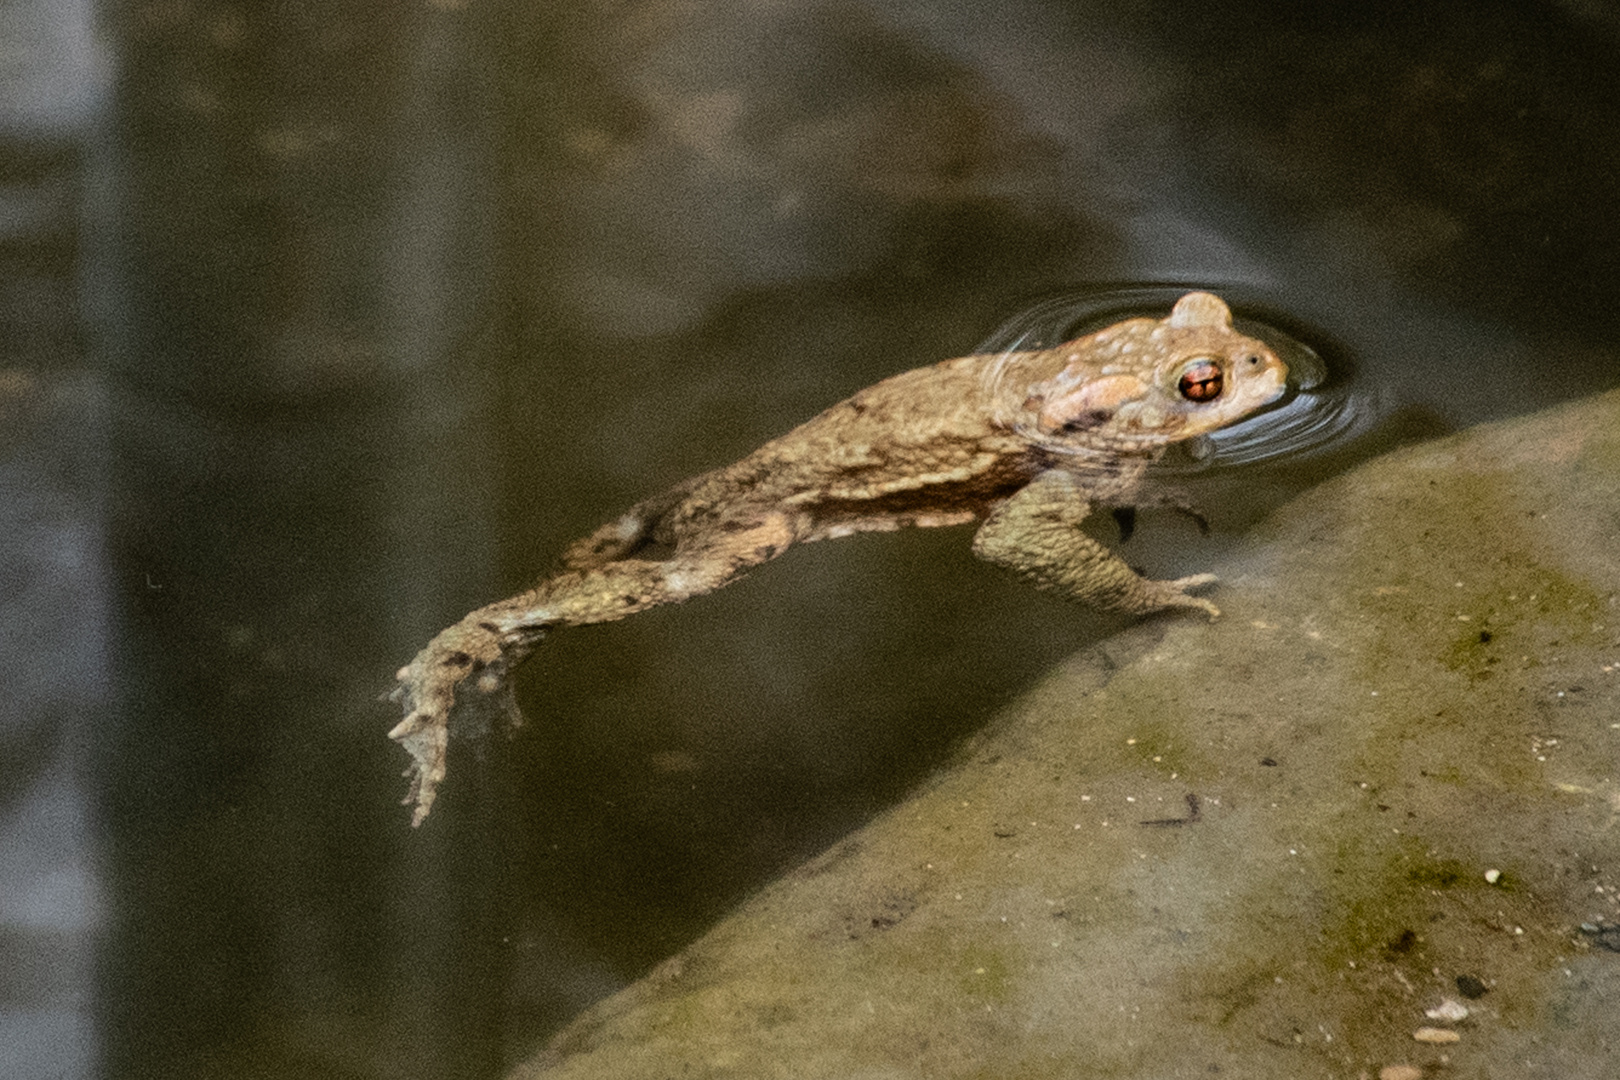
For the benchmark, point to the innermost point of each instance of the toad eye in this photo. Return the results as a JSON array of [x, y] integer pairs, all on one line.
[[1201, 381]]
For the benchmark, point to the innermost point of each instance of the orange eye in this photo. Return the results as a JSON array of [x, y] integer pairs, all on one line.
[[1201, 381]]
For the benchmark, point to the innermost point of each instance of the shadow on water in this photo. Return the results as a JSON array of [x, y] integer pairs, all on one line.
[[382, 310]]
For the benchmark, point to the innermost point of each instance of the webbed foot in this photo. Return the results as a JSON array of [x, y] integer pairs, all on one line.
[[461, 677]]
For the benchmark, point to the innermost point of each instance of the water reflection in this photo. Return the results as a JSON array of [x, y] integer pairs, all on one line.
[[301, 476]]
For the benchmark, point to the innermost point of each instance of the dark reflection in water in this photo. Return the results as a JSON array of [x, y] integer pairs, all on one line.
[[301, 478], [399, 300]]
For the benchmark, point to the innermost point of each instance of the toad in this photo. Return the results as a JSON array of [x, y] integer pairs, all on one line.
[[1025, 443]]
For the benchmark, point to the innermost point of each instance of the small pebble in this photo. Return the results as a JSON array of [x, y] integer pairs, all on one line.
[[1493, 876], [1437, 1036], [1400, 1072], [1448, 1010]]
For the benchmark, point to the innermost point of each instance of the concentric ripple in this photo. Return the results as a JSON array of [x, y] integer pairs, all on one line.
[[1321, 409]]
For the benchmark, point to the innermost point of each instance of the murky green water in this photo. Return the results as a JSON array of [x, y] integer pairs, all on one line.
[[371, 309]]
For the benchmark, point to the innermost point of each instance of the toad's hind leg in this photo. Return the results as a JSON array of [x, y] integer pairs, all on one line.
[[464, 672], [627, 534]]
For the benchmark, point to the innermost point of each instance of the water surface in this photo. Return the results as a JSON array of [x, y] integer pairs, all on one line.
[[357, 315]]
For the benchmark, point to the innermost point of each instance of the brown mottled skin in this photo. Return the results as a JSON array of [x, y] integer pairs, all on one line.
[[1025, 443]]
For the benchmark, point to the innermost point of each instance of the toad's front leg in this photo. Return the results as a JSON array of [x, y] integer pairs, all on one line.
[[464, 674], [1036, 534]]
